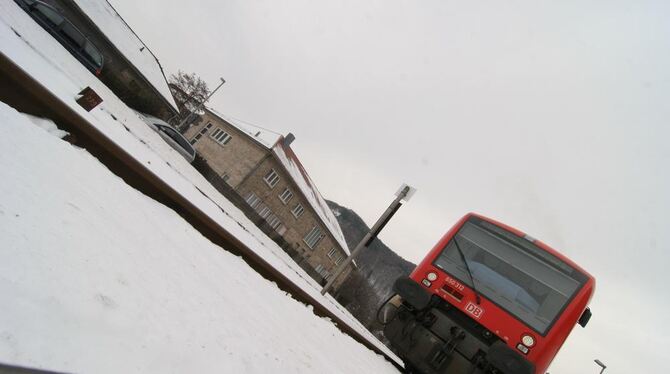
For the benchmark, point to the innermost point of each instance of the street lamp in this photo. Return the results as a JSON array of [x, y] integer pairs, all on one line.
[[600, 363]]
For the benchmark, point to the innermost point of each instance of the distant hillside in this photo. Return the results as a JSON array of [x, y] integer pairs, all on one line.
[[378, 268]]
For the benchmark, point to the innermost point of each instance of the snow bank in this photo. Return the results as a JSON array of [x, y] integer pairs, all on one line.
[[47, 126], [97, 277]]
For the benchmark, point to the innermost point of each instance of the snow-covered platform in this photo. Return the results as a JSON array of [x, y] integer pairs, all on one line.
[[97, 277]]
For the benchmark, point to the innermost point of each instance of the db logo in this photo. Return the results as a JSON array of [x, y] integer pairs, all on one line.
[[475, 310]]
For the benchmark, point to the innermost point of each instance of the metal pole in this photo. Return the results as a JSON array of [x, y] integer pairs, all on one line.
[[367, 239], [200, 105]]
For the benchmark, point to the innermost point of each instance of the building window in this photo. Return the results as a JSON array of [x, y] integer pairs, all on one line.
[[264, 212], [253, 200], [322, 271], [273, 221], [220, 136], [313, 237], [298, 210], [286, 195], [225, 177], [271, 178], [200, 133], [332, 253], [339, 259]]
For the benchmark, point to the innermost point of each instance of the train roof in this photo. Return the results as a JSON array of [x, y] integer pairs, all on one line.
[[533, 240]]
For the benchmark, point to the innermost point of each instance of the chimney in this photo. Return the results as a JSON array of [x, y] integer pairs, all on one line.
[[288, 139]]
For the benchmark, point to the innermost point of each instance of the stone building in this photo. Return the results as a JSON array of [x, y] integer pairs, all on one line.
[[263, 169]]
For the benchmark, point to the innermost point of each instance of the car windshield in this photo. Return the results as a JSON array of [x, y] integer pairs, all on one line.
[[174, 135], [526, 281]]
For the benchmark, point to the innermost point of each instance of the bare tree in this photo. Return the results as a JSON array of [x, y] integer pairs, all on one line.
[[189, 92]]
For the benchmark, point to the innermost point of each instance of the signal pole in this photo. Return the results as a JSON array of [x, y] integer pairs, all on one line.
[[404, 194]]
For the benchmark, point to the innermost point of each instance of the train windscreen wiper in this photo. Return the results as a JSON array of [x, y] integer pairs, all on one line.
[[467, 267]]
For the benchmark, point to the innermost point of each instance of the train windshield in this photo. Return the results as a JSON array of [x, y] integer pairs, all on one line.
[[526, 281]]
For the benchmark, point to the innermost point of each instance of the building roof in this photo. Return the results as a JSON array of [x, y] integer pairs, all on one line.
[[110, 23], [265, 138], [274, 142], [299, 175]]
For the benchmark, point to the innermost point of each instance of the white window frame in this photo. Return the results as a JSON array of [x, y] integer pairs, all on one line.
[[322, 271], [298, 210], [220, 136], [271, 178], [273, 221], [313, 237], [339, 259], [200, 133], [286, 196], [332, 252], [265, 211], [253, 200]]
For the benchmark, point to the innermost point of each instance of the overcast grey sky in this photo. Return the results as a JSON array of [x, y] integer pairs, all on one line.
[[550, 116]]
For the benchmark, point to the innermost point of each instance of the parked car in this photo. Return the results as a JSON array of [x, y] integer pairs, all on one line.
[[65, 32], [170, 135]]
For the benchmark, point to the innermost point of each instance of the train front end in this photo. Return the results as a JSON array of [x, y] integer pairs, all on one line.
[[487, 299]]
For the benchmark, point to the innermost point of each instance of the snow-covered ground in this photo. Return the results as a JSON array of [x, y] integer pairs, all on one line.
[[96, 277], [35, 51]]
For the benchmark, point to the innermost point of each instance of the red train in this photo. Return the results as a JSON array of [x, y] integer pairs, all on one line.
[[487, 299]]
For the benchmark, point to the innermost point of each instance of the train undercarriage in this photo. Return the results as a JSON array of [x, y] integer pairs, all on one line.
[[432, 337]]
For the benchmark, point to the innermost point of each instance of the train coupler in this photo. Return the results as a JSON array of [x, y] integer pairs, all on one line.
[[442, 355]]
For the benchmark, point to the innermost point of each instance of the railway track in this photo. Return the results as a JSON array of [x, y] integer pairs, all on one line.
[[21, 91]]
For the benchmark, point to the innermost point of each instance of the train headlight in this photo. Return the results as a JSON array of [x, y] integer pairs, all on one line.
[[426, 282], [528, 341], [431, 276]]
